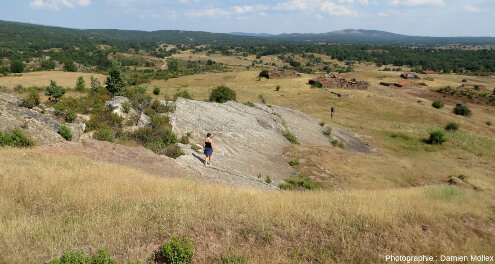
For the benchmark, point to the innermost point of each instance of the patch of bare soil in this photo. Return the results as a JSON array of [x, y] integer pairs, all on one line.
[[132, 157]]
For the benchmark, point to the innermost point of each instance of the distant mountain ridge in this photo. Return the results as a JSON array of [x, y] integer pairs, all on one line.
[[32, 33]]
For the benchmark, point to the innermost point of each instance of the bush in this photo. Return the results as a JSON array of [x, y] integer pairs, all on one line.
[[17, 66], [184, 140], [488, 123], [436, 138], [70, 116], [65, 132], [228, 258], [289, 136], [302, 181], [73, 257], [179, 250], [277, 88], [222, 94], [337, 144], [452, 126], [293, 162], [80, 84], [437, 104], [250, 104], [115, 82], [104, 134], [54, 92], [285, 186], [182, 93], [15, 139], [327, 131], [70, 66], [262, 98], [268, 180], [32, 99], [317, 84], [264, 74], [156, 91], [462, 110], [126, 107]]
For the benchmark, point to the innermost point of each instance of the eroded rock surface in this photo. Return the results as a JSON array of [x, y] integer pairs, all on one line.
[[41, 127]]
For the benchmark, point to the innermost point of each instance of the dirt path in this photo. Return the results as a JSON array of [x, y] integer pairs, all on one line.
[[131, 157]]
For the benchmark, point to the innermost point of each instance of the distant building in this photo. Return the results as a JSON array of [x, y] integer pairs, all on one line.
[[429, 72], [406, 84], [409, 75]]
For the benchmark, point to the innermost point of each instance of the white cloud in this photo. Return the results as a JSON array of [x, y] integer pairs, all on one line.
[[209, 12], [336, 9], [57, 4], [417, 2], [248, 8], [471, 8]]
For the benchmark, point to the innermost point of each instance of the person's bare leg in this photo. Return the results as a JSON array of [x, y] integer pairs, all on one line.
[[210, 160], [206, 159]]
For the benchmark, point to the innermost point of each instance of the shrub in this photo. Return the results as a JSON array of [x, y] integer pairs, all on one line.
[[327, 131], [228, 258], [156, 91], [436, 137], [293, 162], [222, 94], [70, 116], [452, 126], [322, 123], [277, 88], [179, 250], [304, 182], [32, 99], [115, 82], [285, 186], [437, 104], [182, 93], [17, 66], [184, 140], [488, 123], [70, 66], [126, 107], [250, 104], [268, 179], [289, 136], [262, 98], [15, 139], [73, 257], [104, 134], [316, 84], [264, 74], [54, 92], [65, 132], [80, 84], [462, 110], [464, 80], [337, 144]]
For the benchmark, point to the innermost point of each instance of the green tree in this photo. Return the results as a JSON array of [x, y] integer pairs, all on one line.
[[47, 64], [17, 66], [95, 83], [222, 94], [70, 66], [173, 65], [264, 74], [54, 92], [80, 84], [115, 81]]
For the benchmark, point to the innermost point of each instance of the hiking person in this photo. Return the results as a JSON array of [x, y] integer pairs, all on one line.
[[208, 147]]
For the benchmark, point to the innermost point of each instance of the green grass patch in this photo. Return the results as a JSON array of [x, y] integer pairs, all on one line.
[[289, 136], [15, 139], [301, 181]]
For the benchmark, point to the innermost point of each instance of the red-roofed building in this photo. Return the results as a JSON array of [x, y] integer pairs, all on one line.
[[409, 75]]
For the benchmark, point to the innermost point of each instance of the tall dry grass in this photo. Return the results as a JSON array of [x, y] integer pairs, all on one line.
[[50, 202]]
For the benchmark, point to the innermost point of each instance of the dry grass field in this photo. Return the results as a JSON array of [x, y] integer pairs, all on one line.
[[51, 202], [396, 201], [43, 78]]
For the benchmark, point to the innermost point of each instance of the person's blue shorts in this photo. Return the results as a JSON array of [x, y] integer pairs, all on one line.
[[208, 151]]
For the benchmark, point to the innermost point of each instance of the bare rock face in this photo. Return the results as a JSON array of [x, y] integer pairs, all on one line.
[[42, 127], [248, 141], [117, 105]]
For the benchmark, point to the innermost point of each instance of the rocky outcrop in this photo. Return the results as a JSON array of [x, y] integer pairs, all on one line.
[[248, 141], [40, 125]]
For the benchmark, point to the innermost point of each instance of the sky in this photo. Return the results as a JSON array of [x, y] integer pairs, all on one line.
[[408, 17]]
